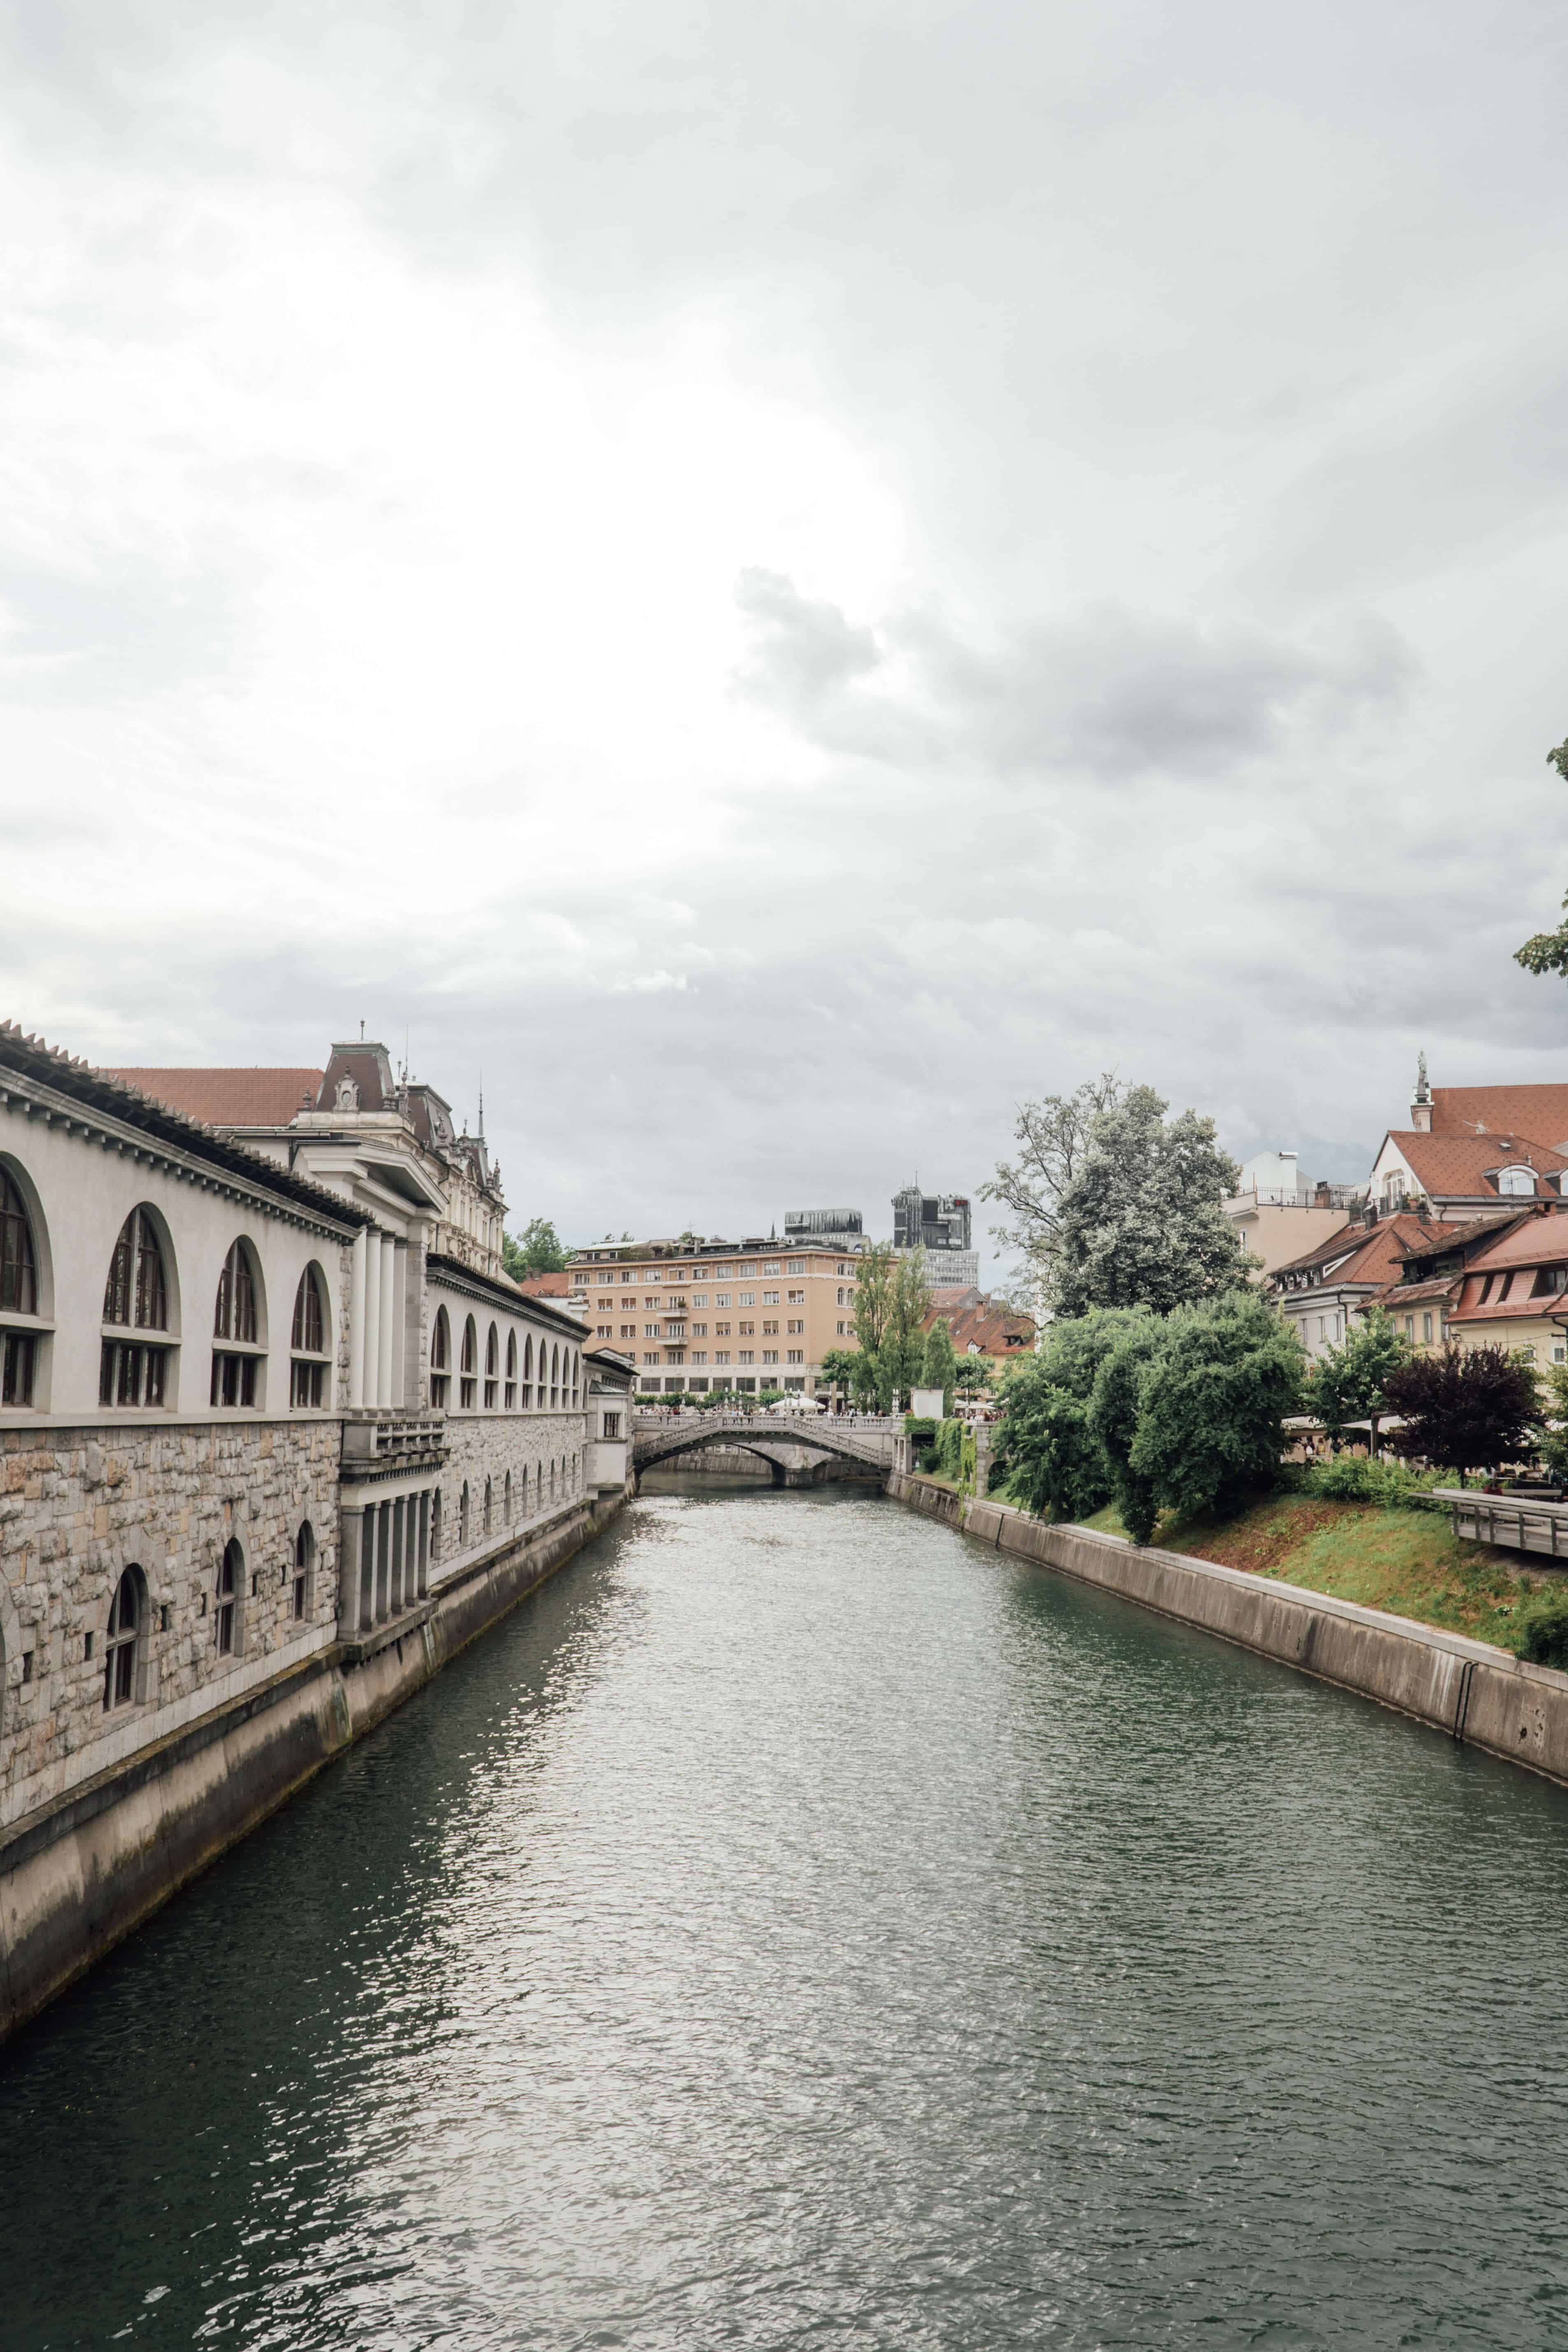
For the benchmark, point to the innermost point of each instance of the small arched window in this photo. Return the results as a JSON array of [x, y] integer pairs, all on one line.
[[135, 1298], [528, 1371], [18, 1295], [304, 1563], [440, 1360], [468, 1368], [1517, 1179], [489, 1496], [463, 1519], [307, 1346], [493, 1369], [576, 1376], [512, 1372], [120, 1647], [554, 1378], [237, 1363], [230, 1597]]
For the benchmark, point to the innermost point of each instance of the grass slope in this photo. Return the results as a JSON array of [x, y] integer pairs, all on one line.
[[1407, 1561]]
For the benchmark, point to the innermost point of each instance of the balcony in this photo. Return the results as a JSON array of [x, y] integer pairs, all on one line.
[[393, 1438]]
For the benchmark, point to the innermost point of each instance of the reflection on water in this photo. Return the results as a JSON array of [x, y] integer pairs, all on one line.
[[798, 1926]]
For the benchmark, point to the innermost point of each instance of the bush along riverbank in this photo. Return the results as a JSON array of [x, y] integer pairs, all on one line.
[[1169, 1431]]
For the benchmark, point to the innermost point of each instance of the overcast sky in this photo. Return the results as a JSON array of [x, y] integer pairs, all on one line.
[[780, 579]]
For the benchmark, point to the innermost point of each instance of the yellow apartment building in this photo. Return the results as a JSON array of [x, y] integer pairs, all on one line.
[[707, 1315]]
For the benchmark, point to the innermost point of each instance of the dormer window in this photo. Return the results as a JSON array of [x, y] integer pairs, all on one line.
[[1516, 1179]]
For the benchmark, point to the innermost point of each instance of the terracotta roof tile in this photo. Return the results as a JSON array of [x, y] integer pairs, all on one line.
[[1371, 1253], [228, 1098], [1449, 1167], [1539, 1113]]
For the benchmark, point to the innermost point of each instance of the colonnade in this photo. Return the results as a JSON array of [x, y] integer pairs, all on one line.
[[375, 1320], [393, 1555]]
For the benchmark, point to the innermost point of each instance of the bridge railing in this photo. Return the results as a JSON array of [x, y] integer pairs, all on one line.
[[694, 1416]]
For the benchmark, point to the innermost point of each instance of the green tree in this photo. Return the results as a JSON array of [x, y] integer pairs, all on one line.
[[1140, 1223], [838, 1367], [1054, 1460], [1465, 1409], [1212, 1403], [939, 1368], [1350, 1383], [1052, 1136], [537, 1250], [875, 1272], [892, 1299], [1553, 1427], [1548, 950], [1114, 1417]]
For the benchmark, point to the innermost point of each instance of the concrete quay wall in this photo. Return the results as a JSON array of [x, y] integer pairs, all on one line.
[[1468, 1689], [80, 1874]]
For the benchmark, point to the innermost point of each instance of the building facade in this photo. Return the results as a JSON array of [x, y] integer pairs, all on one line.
[[269, 1406], [1278, 1216], [705, 1317], [939, 1223]]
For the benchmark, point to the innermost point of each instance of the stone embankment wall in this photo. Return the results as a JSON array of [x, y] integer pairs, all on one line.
[[1469, 1689], [82, 1871]]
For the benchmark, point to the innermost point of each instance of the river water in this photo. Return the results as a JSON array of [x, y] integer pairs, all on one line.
[[797, 1927]]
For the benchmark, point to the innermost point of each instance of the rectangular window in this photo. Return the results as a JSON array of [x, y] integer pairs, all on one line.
[[770, 1355], [843, 1329], [700, 1330], [307, 1384], [651, 1356], [721, 1331], [1410, 1328], [698, 1383], [16, 1369], [748, 1298], [724, 1274], [747, 1330], [468, 1393], [772, 1266], [771, 1326], [700, 1355], [699, 1302], [650, 1330], [796, 1323], [797, 1356], [795, 1265], [722, 1356], [611, 1424], [748, 1387], [797, 1298], [492, 1389], [770, 1298], [746, 1271], [746, 1356], [1426, 1327], [722, 1302]]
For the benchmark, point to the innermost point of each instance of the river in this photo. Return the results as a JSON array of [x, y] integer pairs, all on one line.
[[798, 1927]]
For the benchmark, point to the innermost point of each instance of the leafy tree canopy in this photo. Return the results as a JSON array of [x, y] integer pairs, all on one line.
[[1465, 1408], [940, 1366], [1548, 950], [1211, 1404], [1113, 1204], [537, 1250], [1350, 1383]]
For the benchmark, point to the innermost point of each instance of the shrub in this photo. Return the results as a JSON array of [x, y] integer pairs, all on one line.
[[1541, 1627], [1115, 1411], [1211, 1404], [1475, 1407], [1047, 1456], [1352, 1478]]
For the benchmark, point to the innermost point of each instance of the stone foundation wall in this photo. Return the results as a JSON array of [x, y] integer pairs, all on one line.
[[84, 1870], [79, 1505]]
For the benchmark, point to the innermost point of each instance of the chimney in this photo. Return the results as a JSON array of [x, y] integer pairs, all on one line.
[[1320, 1197]]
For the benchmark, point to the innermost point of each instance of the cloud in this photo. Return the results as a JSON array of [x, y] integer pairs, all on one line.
[[1105, 692]]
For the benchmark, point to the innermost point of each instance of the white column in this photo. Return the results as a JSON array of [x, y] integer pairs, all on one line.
[[399, 1323], [371, 1321], [388, 1332], [356, 1323]]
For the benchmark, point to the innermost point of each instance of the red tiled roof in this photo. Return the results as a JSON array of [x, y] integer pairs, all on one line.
[[1538, 1113], [1398, 1296], [1466, 1236], [1448, 1167], [1372, 1254], [228, 1098], [1543, 1240], [992, 1329], [546, 1286]]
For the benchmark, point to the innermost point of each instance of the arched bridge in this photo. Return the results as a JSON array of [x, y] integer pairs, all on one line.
[[879, 1443]]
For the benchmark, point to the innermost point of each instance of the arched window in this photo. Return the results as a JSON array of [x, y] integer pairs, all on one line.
[[492, 1370], [237, 1362], [512, 1372], [230, 1597], [120, 1649], [18, 1296], [304, 1564], [555, 1379], [576, 1376], [307, 1366], [506, 1499], [467, 1371], [435, 1527], [1517, 1179], [488, 1501], [440, 1360], [135, 1300], [463, 1517], [528, 1371]]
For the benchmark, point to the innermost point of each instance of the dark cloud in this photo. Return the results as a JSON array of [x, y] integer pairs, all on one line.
[[1107, 692]]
